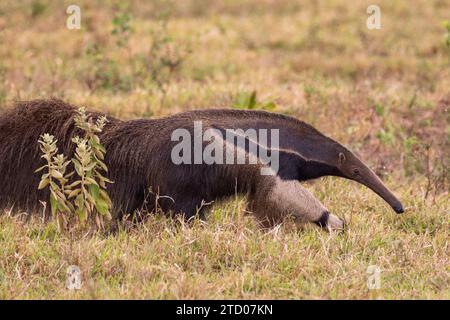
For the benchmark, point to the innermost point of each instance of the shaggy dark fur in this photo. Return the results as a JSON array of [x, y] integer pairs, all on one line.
[[139, 159]]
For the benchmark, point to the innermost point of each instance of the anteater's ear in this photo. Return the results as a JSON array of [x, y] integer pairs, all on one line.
[[341, 159]]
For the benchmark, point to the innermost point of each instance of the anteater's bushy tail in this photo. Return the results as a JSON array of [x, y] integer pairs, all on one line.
[[20, 128]]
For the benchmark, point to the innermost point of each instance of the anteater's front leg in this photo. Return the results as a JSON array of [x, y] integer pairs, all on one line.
[[274, 199]]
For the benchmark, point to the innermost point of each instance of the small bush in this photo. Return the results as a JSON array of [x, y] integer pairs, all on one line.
[[85, 197], [37, 8], [447, 33], [121, 25], [163, 60], [55, 177], [249, 100], [103, 72]]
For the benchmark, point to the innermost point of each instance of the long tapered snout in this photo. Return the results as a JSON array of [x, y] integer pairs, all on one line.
[[368, 178]]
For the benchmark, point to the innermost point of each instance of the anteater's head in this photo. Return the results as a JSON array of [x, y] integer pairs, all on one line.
[[351, 167]]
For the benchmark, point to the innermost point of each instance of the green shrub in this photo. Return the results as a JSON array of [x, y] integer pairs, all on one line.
[[102, 72], [163, 60], [249, 100], [447, 34], [121, 25], [85, 197], [38, 8]]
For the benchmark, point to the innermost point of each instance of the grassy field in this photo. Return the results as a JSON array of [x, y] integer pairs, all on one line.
[[383, 93]]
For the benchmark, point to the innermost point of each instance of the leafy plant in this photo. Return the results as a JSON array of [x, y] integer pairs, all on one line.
[[447, 34], [379, 109], [164, 58], [89, 166], [246, 100], [86, 196], [153, 69], [103, 72], [121, 25], [386, 137], [37, 8], [55, 177]]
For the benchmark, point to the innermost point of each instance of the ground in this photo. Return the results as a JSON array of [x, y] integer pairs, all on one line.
[[384, 93]]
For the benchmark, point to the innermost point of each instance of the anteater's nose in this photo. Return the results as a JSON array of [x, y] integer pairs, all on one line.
[[399, 209]]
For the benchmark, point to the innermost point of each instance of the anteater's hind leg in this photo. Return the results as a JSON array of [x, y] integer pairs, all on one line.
[[190, 207], [275, 199]]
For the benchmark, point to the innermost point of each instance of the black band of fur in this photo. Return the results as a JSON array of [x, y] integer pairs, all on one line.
[[323, 220]]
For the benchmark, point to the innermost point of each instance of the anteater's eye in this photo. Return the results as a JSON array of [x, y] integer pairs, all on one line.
[[356, 171]]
